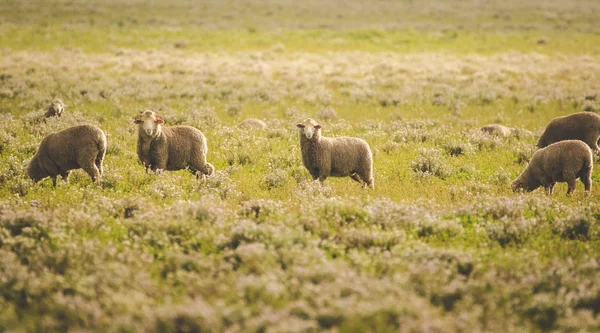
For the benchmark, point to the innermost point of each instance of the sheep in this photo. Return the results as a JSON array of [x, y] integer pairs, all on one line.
[[335, 157], [55, 109], [170, 148], [584, 126], [563, 161], [496, 130], [503, 131], [82, 146], [253, 123]]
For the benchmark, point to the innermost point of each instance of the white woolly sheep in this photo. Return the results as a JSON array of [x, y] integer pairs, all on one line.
[[563, 161], [82, 146], [335, 157], [253, 123], [584, 126], [170, 148], [55, 109]]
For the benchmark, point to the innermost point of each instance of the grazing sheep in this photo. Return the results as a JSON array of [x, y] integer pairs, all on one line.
[[584, 126], [503, 131], [82, 146], [563, 161], [170, 148], [253, 123], [496, 130], [335, 157], [55, 109]]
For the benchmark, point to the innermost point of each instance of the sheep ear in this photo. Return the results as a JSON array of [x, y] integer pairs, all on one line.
[[137, 119], [159, 120], [299, 125], [317, 126]]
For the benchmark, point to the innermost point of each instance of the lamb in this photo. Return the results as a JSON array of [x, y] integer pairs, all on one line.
[[82, 146], [563, 161], [335, 157], [170, 148], [55, 109], [503, 131], [253, 123], [584, 126]]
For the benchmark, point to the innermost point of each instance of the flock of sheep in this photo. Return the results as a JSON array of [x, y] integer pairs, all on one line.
[[564, 151]]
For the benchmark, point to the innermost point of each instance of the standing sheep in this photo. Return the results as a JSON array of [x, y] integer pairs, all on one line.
[[170, 148], [563, 161], [82, 146], [584, 126], [335, 157], [55, 109]]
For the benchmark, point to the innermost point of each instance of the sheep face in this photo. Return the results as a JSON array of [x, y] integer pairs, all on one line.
[[149, 122], [310, 128], [521, 184], [58, 106], [35, 172]]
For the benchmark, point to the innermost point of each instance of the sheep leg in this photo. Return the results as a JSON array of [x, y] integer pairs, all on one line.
[[314, 173], [592, 141], [586, 179], [92, 170], [572, 182], [65, 176], [99, 160], [323, 175], [549, 188], [54, 180], [160, 166]]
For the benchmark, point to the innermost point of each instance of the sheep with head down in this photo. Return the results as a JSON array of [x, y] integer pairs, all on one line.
[[82, 146], [503, 131], [335, 157], [563, 161], [253, 123], [170, 148]]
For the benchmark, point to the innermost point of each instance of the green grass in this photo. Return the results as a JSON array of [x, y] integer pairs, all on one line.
[[259, 246], [92, 40]]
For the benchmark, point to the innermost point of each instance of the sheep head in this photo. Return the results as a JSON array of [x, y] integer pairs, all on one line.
[[310, 128], [524, 183], [55, 108], [35, 171], [149, 122]]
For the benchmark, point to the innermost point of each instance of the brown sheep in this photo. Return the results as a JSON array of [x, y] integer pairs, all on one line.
[[584, 126], [335, 157], [82, 146], [55, 109], [563, 161], [170, 148]]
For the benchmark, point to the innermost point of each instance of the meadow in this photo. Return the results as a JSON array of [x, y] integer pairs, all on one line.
[[441, 244]]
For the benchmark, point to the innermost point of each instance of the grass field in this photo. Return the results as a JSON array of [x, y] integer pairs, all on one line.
[[440, 245]]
